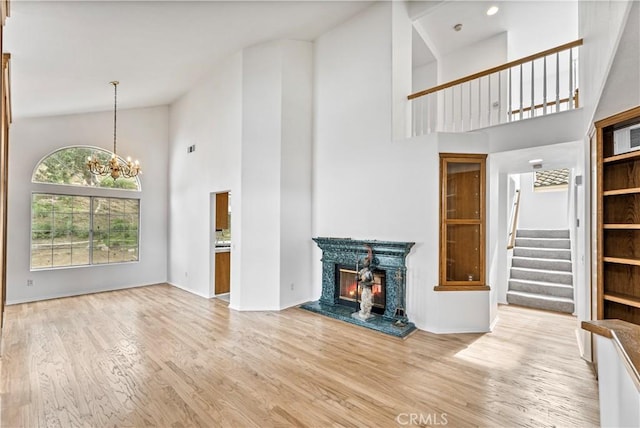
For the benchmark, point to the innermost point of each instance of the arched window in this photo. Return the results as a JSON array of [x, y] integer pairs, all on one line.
[[71, 228], [69, 166]]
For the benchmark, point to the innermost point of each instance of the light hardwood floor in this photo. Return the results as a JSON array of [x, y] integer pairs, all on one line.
[[160, 356]]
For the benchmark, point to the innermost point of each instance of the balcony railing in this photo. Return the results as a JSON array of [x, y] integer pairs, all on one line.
[[536, 85]]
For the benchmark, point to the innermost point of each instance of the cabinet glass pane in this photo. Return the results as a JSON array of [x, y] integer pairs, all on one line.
[[463, 190], [463, 252]]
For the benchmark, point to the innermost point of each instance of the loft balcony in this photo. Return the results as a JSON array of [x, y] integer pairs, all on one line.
[[538, 85]]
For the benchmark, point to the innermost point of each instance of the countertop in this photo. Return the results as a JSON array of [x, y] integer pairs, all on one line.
[[223, 249], [626, 337]]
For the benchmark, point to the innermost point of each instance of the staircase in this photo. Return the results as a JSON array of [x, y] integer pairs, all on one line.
[[541, 275]]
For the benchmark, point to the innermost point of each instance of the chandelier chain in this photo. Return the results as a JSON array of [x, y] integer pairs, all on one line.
[[115, 112], [115, 167]]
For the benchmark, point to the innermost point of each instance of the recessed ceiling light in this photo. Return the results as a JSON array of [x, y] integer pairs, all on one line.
[[532, 161], [457, 27], [492, 10]]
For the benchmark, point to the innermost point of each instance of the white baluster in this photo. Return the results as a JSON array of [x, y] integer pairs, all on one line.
[[414, 118], [544, 86], [444, 110], [489, 100], [461, 115], [453, 113], [509, 106], [521, 93], [470, 109], [557, 82], [499, 97], [479, 103], [533, 96], [570, 104]]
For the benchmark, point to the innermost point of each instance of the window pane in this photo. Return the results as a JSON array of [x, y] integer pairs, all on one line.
[[463, 190], [69, 166], [80, 254], [463, 252], [81, 227], [81, 204], [132, 206], [101, 224], [117, 206], [116, 253], [79, 230], [41, 256], [131, 254], [100, 239], [61, 255], [100, 255], [101, 205], [63, 204]]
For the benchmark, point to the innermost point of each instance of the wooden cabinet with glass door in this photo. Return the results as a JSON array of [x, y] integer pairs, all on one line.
[[462, 222]]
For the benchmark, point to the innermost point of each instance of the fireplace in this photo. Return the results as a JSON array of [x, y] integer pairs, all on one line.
[[341, 259], [348, 286]]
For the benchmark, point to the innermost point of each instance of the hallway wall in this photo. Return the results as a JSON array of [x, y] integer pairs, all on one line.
[[542, 210]]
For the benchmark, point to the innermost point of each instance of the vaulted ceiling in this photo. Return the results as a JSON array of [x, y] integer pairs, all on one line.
[[65, 53]]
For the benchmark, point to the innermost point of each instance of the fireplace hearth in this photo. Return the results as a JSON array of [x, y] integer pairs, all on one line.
[[341, 293]]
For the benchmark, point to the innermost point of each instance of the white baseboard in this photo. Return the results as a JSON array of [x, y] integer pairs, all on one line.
[[76, 293], [188, 290]]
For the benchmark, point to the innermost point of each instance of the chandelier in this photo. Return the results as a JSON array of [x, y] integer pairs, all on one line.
[[116, 167]]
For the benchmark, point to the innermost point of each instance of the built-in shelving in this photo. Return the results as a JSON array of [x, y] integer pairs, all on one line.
[[622, 157], [621, 260], [622, 299], [618, 192], [618, 222]]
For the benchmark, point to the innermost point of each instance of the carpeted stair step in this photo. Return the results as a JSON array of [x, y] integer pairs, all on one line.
[[543, 288], [549, 303], [552, 276], [542, 253], [542, 233], [543, 242], [543, 264]]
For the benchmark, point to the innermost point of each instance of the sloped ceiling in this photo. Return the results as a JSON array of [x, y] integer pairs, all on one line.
[[65, 53]]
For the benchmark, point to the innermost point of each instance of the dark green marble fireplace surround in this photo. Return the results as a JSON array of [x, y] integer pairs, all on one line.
[[389, 257]]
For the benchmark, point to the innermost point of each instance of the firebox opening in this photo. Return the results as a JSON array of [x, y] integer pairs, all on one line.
[[346, 293]]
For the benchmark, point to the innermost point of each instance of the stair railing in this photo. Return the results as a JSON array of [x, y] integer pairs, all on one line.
[[536, 85], [513, 221]]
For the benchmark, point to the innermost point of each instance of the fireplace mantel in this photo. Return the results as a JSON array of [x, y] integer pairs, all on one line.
[[388, 256]]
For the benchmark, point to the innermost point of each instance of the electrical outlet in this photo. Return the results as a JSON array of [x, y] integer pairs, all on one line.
[[292, 286], [29, 282], [186, 274]]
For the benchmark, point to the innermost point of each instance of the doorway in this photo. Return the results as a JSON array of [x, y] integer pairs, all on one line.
[[221, 245], [574, 209]]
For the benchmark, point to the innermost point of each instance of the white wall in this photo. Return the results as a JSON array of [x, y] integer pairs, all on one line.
[[401, 63], [142, 134], [260, 170], [367, 186], [601, 24], [209, 116], [542, 210], [424, 76], [622, 87], [362, 181], [559, 26], [276, 175], [619, 395], [251, 123], [479, 56], [295, 175]]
